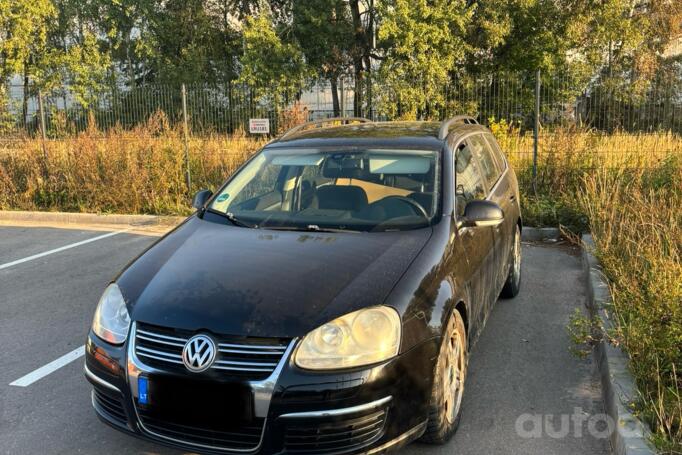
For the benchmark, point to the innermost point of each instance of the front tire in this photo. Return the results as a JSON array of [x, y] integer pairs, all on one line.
[[513, 284], [445, 409]]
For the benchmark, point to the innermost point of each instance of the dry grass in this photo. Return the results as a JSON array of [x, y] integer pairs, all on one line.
[[138, 171], [143, 170], [563, 151], [636, 221], [566, 156]]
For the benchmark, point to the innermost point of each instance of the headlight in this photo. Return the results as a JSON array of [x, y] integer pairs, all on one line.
[[111, 322], [361, 338]]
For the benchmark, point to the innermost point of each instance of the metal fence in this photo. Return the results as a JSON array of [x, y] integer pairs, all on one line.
[[224, 109], [625, 121]]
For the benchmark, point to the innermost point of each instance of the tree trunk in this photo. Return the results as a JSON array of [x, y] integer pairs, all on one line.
[[369, 44], [333, 81], [357, 92], [369, 87], [358, 54]]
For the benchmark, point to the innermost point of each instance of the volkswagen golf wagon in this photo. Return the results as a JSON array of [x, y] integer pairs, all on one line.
[[323, 300]]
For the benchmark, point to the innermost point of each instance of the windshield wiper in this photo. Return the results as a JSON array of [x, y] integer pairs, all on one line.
[[234, 220], [308, 228], [237, 222]]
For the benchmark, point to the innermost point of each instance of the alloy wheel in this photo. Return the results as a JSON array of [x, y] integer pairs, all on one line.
[[455, 369], [516, 254]]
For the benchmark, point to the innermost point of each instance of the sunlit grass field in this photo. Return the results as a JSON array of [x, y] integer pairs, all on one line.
[[131, 171], [636, 221], [626, 189]]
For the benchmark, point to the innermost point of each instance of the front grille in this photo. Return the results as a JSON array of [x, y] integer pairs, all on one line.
[[235, 436], [324, 436], [251, 358], [111, 407]]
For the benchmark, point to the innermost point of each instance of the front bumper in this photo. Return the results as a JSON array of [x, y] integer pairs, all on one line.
[[367, 410]]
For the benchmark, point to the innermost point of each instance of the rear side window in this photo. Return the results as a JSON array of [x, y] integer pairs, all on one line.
[[469, 182], [489, 166], [497, 151]]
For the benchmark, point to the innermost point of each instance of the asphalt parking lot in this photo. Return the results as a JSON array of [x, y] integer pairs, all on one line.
[[521, 373]]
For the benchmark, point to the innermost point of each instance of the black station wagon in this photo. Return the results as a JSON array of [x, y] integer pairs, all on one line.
[[323, 300]]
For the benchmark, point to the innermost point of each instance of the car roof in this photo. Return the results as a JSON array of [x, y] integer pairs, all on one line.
[[409, 135]]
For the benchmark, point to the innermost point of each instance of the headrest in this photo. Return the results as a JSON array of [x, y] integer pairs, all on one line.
[[341, 197], [343, 166]]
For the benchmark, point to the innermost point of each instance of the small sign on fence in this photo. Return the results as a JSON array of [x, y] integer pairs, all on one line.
[[259, 125]]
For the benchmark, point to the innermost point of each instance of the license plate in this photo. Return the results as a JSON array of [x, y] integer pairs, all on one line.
[[188, 400], [143, 390]]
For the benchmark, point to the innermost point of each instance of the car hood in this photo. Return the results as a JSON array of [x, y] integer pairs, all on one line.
[[256, 282]]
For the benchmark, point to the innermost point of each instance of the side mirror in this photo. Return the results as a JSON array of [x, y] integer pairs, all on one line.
[[482, 213], [200, 198]]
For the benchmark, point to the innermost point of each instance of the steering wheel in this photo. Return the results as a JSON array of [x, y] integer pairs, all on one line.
[[416, 206]]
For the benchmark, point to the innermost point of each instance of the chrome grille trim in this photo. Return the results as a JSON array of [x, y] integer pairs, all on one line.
[[262, 391], [99, 380], [154, 351], [156, 340], [151, 356], [236, 351], [339, 411], [237, 357], [252, 346], [255, 370], [158, 335], [247, 364], [159, 355]]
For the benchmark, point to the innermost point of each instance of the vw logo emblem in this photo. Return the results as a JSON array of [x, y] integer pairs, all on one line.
[[199, 353]]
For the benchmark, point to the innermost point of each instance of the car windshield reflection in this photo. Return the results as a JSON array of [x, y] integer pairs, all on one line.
[[318, 190]]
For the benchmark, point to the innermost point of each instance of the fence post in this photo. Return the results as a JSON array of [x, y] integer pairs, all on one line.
[[536, 131], [342, 98], [41, 112], [370, 101], [185, 128]]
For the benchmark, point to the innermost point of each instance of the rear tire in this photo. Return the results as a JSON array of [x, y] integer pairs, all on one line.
[[513, 284], [445, 408]]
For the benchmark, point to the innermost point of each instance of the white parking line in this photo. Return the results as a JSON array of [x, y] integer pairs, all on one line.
[[51, 367], [62, 248]]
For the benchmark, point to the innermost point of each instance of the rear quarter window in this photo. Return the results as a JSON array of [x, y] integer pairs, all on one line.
[[489, 166], [498, 156]]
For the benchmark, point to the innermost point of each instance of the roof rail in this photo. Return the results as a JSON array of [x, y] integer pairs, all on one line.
[[322, 122], [445, 126]]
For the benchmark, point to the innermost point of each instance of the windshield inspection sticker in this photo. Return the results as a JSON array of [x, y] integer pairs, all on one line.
[[223, 197]]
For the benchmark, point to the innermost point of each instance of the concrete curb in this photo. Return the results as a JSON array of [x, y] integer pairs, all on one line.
[[533, 234], [89, 218], [630, 435]]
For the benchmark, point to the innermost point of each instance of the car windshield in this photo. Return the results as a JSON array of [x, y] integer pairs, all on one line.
[[344, 189]]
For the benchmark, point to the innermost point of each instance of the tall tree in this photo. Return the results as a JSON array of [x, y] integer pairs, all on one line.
[[125, 31], [362, 14], [78, 56], [423, 42], [274, 68], [324, 30], [187, 44], [24, 28]]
